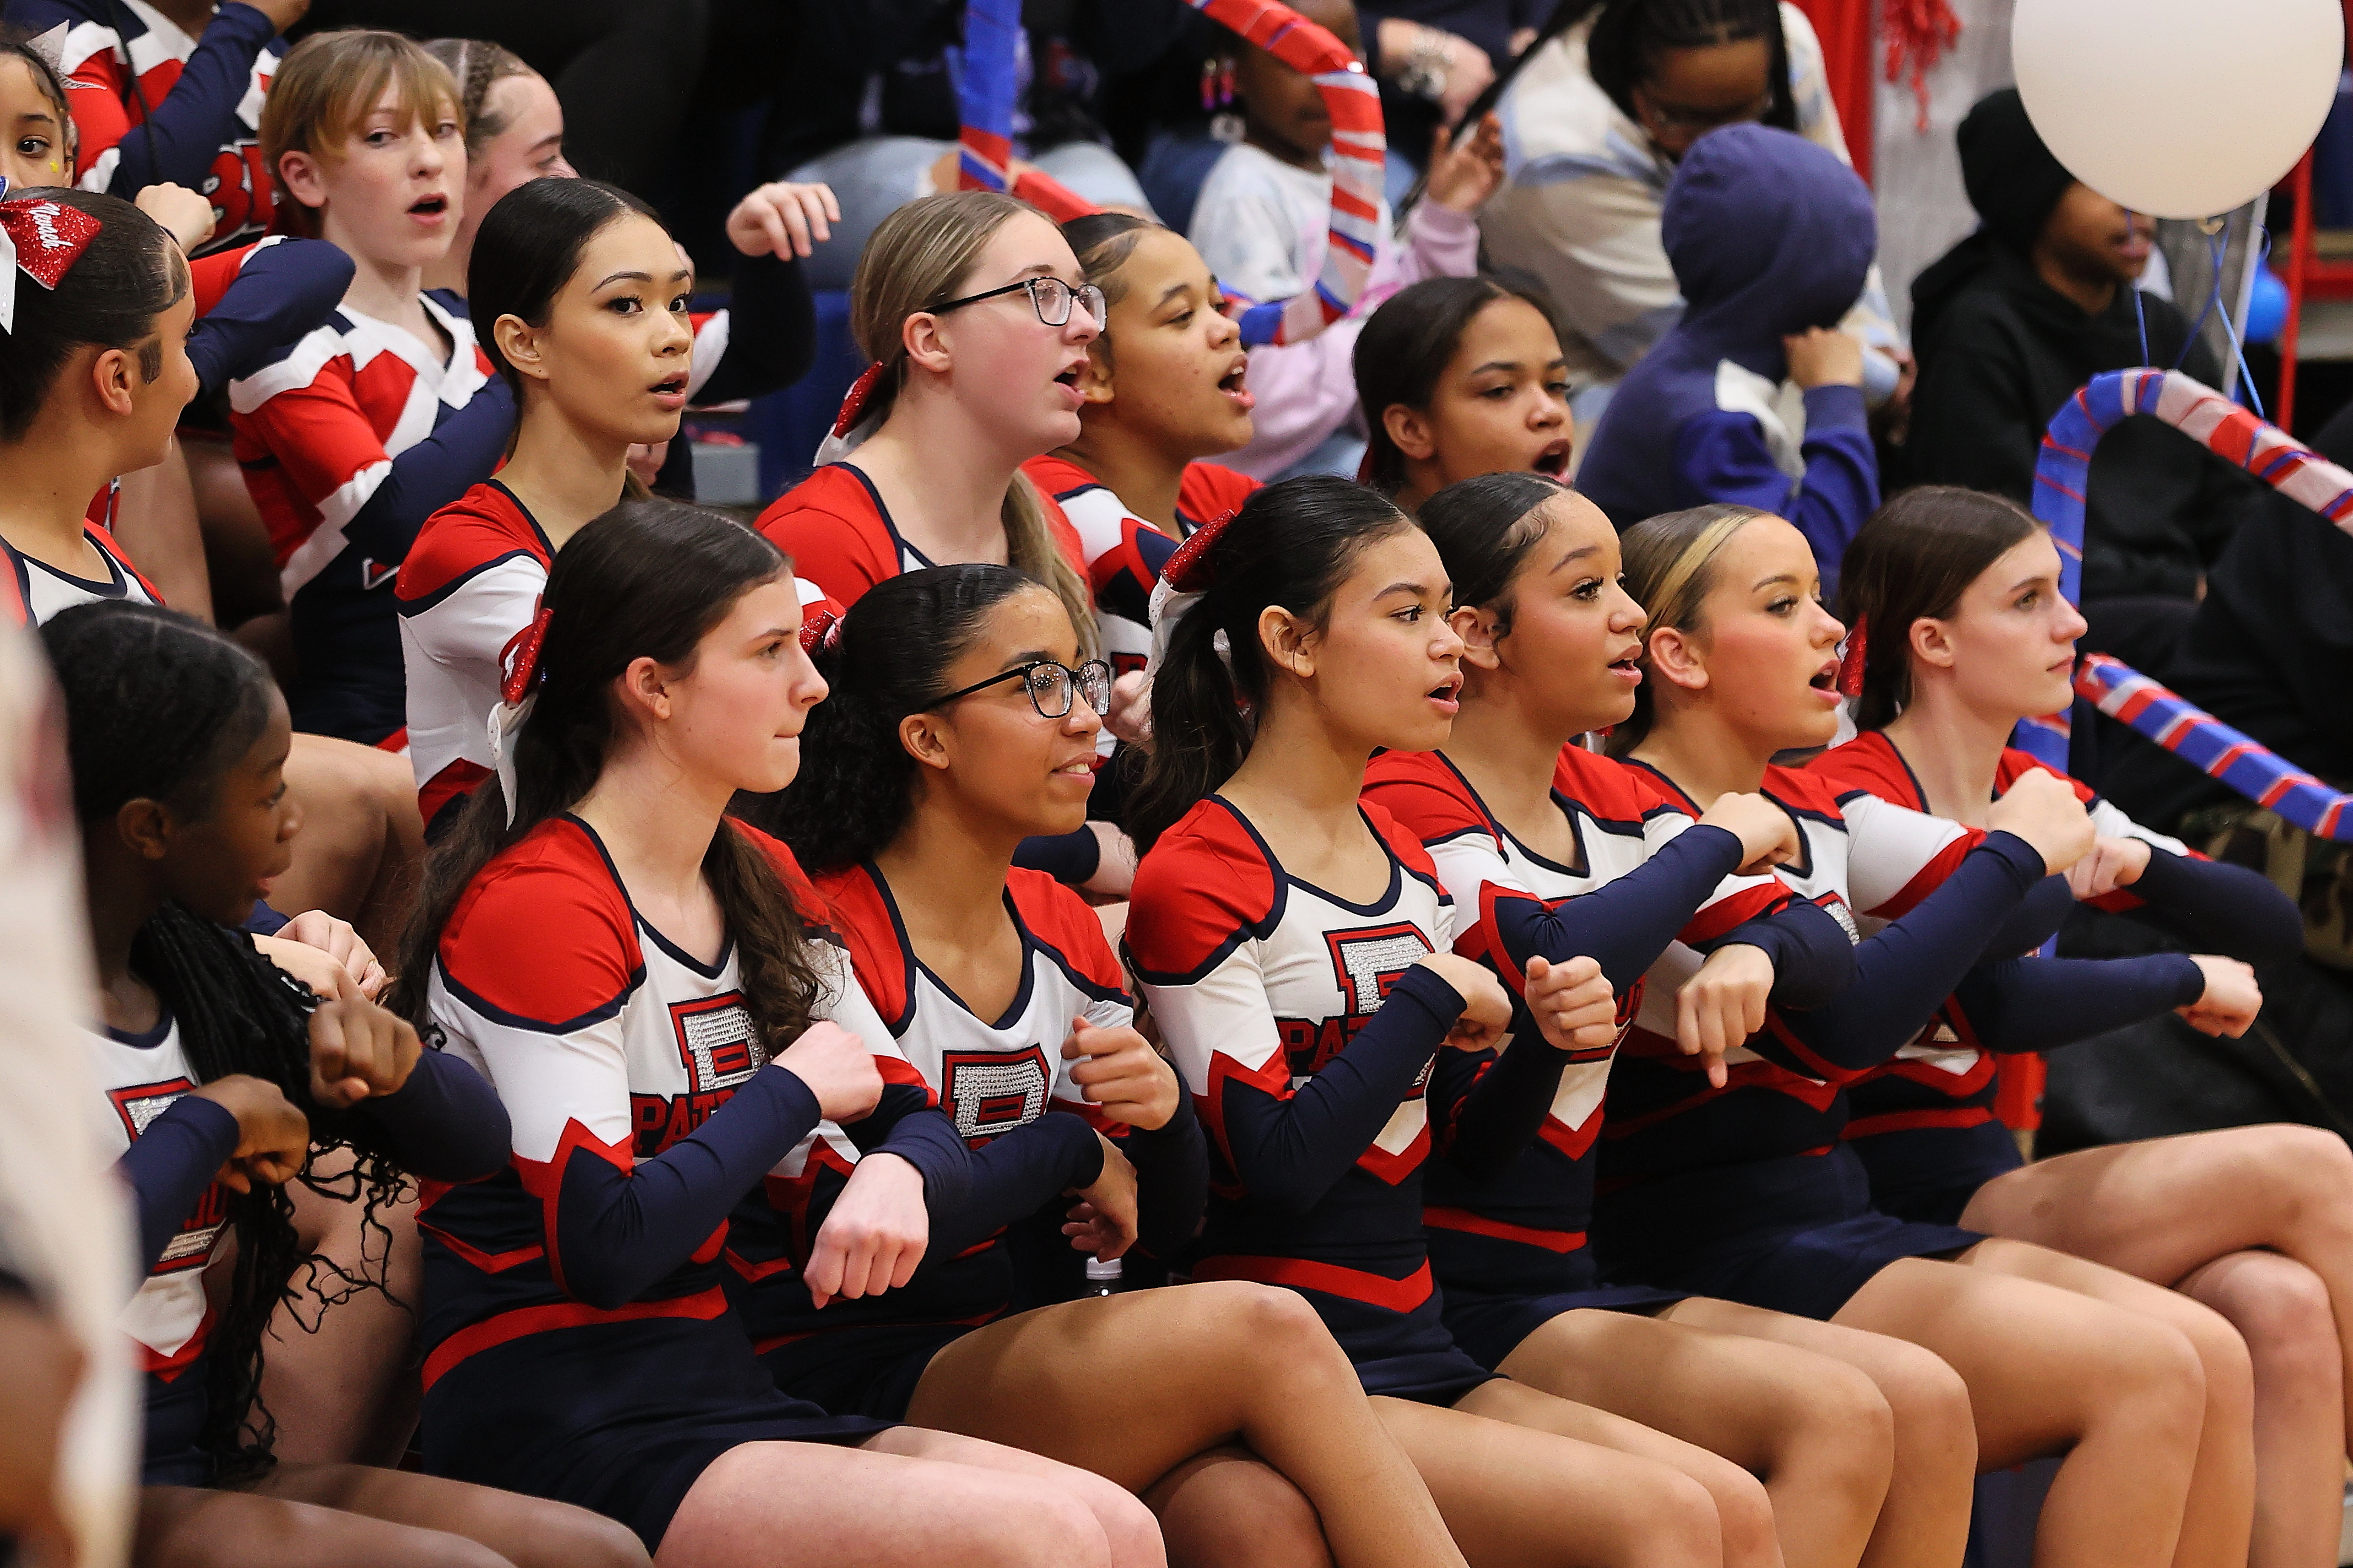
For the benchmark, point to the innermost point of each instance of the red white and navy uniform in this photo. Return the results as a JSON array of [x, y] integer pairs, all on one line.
[[1745, 1192], [1510, 1249], [578, 1344], [1306, 1030], [43, 590], [350, 438], [472, 580], [1124, 553], [1005, 1086], [1924, 1123], [445, 1121], [258, 297], [152, 105], [842, 538]]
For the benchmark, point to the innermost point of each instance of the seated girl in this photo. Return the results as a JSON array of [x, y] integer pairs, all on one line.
[[1969, 634], [1462, 376], [351, 437], [634, 974], [223, 1076], [1744, 1191], [962, 719], [1550, 850], [1294, 946]]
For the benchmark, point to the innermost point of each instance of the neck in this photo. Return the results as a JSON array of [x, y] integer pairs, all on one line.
[[384, 290], [46, 480], [1144, 476], [1507, 753], [1953, 749], [2091, 295], [118, 899], [948, 868], [1282, 151], [1703, 756], [563, 473], [1299, 772], [656, 818], [1422, 481], [942, 478], [449, 273]]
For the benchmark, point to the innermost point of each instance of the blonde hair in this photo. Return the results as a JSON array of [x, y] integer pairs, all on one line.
[[477, 64], [325, 88], [914, 261], [1670, 571]]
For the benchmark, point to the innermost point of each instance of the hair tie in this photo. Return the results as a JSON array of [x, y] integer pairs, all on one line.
[[519, 658], [1183, 580], [1188, 570], [852, 425], [821, 631], [1850, 671], [519, 695], [42, 240]]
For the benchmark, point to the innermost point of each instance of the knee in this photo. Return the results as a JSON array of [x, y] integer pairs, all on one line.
[[1930, 1405], [1273, 1326], [579, 1539], [1845, 1437], [1128, 1528], [2312, 1170], [2225, 1368], [2282, 1310], [1053, 1525], [1254, 1519], [1677, 1523], [1743, 1511], [2156, 1382]]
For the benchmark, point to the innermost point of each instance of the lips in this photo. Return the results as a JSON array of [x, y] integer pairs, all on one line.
[[1079, 766], [429, 209], [1553, 461], [1068, 382], [670, 391], [1825, 681], [1629, 667], [1230, 384]]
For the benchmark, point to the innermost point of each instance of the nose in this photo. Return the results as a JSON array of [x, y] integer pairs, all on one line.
[[430, 159], [2071, 624], [1830, 628], [1549, 411], [1627, 614], [1448, 643], [290, 822], [1083, 719], [1224, 330]]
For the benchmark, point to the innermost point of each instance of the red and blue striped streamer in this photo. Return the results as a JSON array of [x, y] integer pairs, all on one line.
[[2062, 477]]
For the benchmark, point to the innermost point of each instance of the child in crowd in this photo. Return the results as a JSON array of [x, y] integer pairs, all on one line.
[[1458, 377], [1967, 635], [637, 975], [1264, 219], [1753, 398], [356, 434], [222, 1074]]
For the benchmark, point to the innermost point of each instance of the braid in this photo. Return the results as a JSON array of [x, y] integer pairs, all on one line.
[[477, 64]]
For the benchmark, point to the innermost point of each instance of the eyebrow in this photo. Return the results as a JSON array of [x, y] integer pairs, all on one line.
[[44, 116], [1789, 577], [1172, 291], [1582, 550], [2036, 580], [1503, 364], [1030, 655], [639, 276], [555, 141], [1419, 590]]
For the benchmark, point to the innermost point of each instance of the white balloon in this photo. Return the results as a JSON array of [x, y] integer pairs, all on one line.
[[2177, 108]]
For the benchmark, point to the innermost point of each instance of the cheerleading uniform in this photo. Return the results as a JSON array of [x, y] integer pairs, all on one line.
[[1745, 1192], [255, 299], [1005, 1086], [153, 105], [578, 1344], [351, 437], [1924, 1123], [1508, 1242], [445, 1125], [1306, 1029], [43, 590], [841, 537]]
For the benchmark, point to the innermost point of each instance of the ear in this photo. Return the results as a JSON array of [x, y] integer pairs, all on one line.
[[925, 343], [1677, 659], [1477, 628], [1409, 428], [1094, 382], [114, 377], [1288, 640], [145, 827], [518, 343], [1931, 645], [921, 735], [642, 686], [305, 180]]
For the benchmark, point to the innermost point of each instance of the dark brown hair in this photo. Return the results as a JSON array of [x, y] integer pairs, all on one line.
[[130, 273], [1914, 560], [1408, 342]]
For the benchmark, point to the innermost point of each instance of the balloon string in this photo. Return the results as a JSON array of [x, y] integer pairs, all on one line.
[[2140, 316]]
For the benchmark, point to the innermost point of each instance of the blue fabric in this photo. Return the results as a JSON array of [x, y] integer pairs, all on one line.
[[281, 292], [170, 1165], [1770, 235]]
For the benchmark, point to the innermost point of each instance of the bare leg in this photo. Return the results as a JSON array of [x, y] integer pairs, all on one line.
[[2219, 1516], [1132, 1386], [2053, 1372], [1925, 1522], [527, 1532], [341, 1379], [1227, 1509], [908, 1499], [1816, 1431], [357, 853], [156, 524], [187, 1527], [1516, 1495]]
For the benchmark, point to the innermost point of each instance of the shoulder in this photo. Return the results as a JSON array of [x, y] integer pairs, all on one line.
[[1607, 789], [1417, 791], [1208, 490], [2016, 765], [1868, 765], [325, 350], [1058, 479], [1067, 926], [1207, 886], [480, 527], [1402, 844], [832, 499], [861, 914], [543, 935], [1807, 793]]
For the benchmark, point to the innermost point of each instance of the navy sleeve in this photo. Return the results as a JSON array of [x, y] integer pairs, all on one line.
[[198, 116], [265, 921], [447, 1123], [1905, 973], [906, 1124], [170, 1165], [1721, 456], [2220, 908], [1486, 1110], [771, 330], [1623, 925], [1014, 1175], [1813, 957], [616, 1233], [1172, 1179], [1290, 1150], [2035, 920], [435, 471], [281, 292], [2040, 1004], [1069, 857]]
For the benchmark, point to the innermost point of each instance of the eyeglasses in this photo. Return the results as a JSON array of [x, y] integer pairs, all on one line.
[[1050, 296], [1051, 686], [1684, 117]]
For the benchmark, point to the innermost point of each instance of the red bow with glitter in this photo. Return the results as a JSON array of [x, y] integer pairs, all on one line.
[[1850, 671], [1188, 570], [41, 237], [820, 629], [519, 658]]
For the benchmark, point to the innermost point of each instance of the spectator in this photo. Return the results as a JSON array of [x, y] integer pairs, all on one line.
[[2015, 318]]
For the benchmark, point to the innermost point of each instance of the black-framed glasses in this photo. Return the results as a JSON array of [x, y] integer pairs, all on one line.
[[1051, 686], [1050, 296], [1685, 116]]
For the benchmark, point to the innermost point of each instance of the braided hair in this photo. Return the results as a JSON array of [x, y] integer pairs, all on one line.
[[157, 707], [477, 64]]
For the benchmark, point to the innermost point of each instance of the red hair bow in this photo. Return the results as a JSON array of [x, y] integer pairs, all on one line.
[[519, 658], [1188, 570], [1850, 671], [853, 406], [820, 629], [41, 238]]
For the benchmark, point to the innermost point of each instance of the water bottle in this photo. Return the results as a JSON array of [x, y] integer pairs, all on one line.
[[1103, 1275]]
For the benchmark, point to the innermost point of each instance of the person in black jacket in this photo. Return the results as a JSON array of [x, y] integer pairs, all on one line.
[[2010, 323]]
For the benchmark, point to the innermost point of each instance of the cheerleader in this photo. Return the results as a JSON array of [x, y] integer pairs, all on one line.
[[636, 975], [1744, 1191], [2256, 1222]]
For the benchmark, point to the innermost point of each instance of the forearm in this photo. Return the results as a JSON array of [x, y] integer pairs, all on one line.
[[435, 471], [1013, 1175], [2220, 908], [1812, 957], [771, 330], [1172, 1180], [1505, 1106], [1623, 925], [446, 1123], [2040, 1004], [198, 116], [170, 1165]]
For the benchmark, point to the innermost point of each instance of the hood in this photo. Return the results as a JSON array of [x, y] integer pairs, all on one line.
[[1769, 233]]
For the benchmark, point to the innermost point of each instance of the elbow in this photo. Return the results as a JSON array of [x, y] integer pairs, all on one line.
[[606, 1289]]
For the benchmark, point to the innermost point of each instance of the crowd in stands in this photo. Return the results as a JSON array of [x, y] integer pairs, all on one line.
[[1202, 944]]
